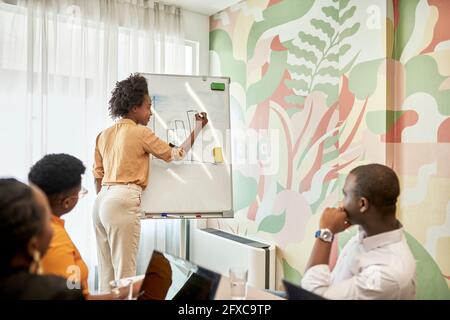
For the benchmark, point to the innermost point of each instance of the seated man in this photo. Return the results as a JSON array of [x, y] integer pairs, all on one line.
[[376, 263]]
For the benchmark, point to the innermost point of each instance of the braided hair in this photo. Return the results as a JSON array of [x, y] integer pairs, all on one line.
[[21, 218]]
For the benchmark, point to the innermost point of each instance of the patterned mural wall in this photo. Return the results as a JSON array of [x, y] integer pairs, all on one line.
[[419, 128], [337, 84]]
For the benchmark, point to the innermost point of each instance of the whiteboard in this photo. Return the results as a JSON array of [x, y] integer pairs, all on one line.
[[197, 185]]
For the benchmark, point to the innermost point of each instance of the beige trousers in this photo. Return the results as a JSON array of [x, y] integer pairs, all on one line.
[[117, 227]]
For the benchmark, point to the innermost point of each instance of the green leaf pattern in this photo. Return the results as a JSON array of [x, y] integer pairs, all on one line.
[[321, 53]]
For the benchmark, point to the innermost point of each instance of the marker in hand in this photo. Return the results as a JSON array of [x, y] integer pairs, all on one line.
[[201, 117]]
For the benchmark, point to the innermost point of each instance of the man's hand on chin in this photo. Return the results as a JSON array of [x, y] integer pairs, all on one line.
[[334, 219]]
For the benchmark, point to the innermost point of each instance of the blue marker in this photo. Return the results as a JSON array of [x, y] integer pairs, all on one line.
[[164, 215]]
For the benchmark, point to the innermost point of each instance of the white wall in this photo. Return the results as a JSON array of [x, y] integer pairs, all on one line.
[[197, 29]]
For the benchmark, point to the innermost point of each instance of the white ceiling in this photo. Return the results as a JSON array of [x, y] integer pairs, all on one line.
[[208, 7]]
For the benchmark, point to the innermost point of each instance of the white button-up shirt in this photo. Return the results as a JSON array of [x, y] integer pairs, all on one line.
[[377, 267]]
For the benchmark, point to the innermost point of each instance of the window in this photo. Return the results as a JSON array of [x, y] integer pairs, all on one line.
[[56, 75], [191, 57]]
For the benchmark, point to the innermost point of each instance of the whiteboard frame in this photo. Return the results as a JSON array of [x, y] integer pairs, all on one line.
[[200, 215]]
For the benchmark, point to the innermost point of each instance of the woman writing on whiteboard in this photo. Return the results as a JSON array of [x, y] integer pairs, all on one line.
[[121, 170]]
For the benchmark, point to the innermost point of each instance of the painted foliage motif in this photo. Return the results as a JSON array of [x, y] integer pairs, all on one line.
[[343, 83]]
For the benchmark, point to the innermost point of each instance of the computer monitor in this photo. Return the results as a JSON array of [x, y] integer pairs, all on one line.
[[295, 292], [171, 278]]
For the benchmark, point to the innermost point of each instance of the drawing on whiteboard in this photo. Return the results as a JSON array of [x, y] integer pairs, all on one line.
[[206, 169], [174, 118], [178, 133]]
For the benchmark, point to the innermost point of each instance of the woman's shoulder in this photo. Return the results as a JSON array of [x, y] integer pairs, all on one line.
[[144, 131], [27, 286]]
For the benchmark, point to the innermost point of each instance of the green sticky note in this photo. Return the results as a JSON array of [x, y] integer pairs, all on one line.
[[217, 86]]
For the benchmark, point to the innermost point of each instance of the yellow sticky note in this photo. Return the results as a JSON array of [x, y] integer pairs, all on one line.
[[217, 153]]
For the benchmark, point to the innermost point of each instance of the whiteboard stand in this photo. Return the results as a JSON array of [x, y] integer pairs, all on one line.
[[184, 239], [175, 100], [185, 225]]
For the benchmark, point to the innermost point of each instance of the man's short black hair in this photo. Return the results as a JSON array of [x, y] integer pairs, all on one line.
[[57, 173], [379, 184], [21, 218], [127, 94]]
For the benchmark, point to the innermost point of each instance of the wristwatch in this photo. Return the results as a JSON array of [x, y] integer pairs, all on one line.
[[325, 235]]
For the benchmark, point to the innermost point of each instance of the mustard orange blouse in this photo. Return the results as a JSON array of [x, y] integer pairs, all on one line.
[[63, 258], [122, 153]]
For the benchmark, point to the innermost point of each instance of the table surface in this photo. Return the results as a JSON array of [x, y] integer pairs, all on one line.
[[224, 290]]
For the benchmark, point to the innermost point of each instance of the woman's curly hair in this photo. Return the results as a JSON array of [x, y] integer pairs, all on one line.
[[127, 94]]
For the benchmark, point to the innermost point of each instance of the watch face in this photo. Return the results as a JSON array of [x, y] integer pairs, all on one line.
[[326, 235]]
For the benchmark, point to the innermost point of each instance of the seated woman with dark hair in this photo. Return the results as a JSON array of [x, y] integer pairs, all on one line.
[[59, 176], [25, 234]]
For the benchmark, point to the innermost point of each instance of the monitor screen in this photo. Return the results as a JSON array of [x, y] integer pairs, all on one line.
[[171, 278]]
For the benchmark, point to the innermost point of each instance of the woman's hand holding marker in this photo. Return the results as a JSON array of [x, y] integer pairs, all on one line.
[[201, 117]]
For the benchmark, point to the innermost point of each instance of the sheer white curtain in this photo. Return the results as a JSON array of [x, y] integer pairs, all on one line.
[[59, 61]]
